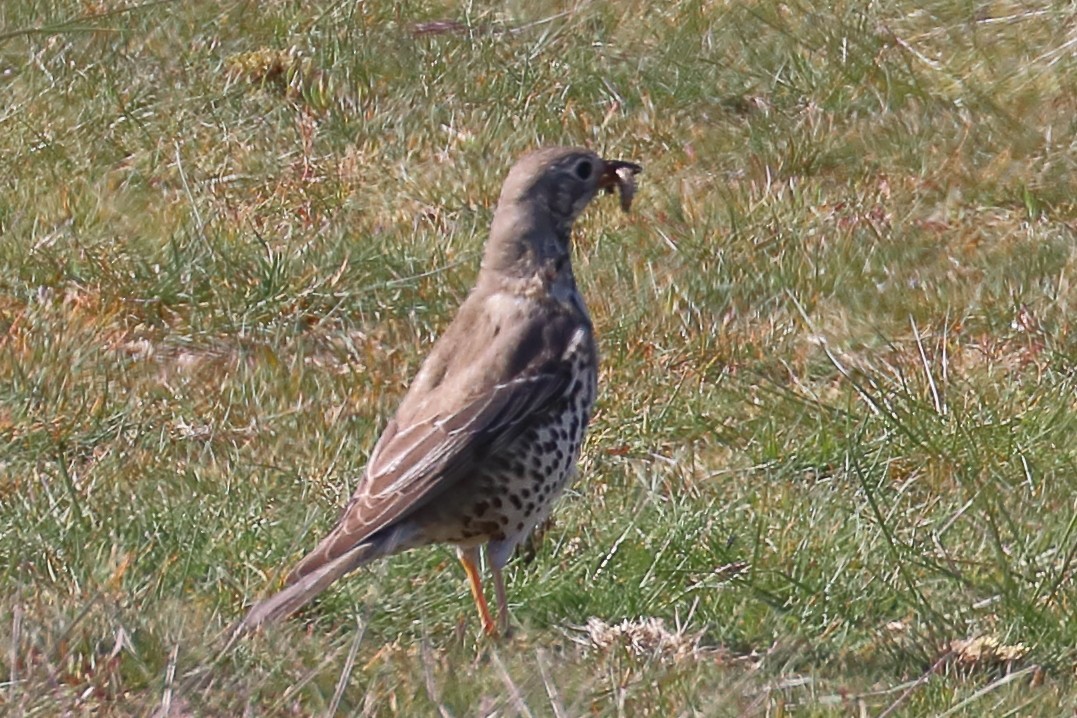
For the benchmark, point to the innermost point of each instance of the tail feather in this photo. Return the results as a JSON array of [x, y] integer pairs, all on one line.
[[315, 573], [305, 588]]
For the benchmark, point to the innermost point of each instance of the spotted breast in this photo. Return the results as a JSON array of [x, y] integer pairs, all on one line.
[[518, 486]]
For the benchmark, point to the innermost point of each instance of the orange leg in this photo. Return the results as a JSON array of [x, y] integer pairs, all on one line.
[[470, 559]]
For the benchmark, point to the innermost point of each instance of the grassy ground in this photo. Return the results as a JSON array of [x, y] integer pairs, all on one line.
[[833, 471]]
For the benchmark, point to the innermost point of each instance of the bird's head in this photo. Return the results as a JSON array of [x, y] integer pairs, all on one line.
[[544, 193]]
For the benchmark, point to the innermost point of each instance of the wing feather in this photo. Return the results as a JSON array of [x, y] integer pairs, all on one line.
[[463, 406]]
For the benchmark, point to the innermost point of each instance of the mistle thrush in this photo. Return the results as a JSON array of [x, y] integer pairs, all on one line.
[[488, 435]]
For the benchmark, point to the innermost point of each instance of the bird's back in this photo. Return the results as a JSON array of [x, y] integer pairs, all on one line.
[[512, 380]]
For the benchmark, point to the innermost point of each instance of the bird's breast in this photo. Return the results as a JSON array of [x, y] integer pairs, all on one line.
[[516, 488]]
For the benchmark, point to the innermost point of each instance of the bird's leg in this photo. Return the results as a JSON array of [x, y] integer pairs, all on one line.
[[469, 557], [502, 601]]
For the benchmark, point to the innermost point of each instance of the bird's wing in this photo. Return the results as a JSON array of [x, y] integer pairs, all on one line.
[[472, 397]]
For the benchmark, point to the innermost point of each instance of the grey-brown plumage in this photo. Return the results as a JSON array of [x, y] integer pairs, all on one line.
[[488, 435]]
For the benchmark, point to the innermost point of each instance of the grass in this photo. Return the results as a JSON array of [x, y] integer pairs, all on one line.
[[832, 471]]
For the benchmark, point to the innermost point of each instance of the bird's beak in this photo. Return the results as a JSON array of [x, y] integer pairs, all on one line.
[[620, 175]]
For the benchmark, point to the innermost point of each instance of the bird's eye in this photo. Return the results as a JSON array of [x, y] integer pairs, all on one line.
[[584, 169]]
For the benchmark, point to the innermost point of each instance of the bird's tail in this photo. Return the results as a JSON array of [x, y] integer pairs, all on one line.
[[318, 569], [306, 587]]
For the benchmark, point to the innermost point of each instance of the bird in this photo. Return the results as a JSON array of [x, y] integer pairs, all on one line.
[[487, 437]]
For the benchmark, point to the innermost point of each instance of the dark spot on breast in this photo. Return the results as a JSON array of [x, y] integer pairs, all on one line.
[[525, 492], [496, 501], [516, 501], [520, 526], [480, 508]]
